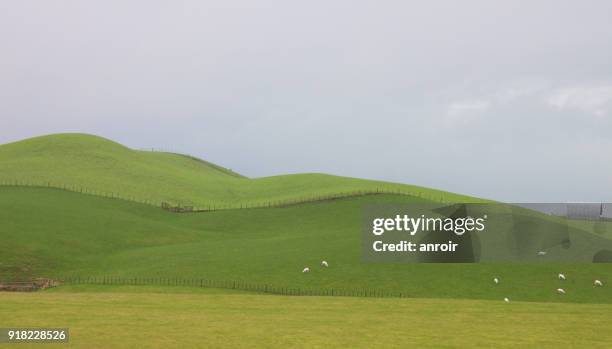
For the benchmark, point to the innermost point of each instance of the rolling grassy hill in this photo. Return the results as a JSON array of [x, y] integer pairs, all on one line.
[[61, 234], [55, 233], [96, 165]]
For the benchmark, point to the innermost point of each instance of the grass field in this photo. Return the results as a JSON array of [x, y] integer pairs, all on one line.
[[156, 319], [61, 234], [100, 166], [55, 233]]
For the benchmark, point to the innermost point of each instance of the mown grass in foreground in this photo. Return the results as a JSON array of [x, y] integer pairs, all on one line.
[[174, 320]]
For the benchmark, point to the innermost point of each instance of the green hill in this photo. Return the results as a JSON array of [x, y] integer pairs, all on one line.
[[57, 234], [54, 233], [96, 165]]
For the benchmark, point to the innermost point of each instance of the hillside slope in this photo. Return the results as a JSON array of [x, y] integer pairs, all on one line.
[[96, 165], [55, 233]]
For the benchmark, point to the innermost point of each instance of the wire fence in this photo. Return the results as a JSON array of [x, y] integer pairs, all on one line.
[[225, 170], [82, 190], [232, 285], [236, 204]]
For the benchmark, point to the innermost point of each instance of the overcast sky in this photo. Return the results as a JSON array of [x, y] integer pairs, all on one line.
[[504, 100]]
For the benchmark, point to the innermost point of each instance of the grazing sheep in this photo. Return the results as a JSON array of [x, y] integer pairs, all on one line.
[[542, 253], [560, 291], [507, 300], [306, 270], [496, 280], [561, 276], [597, 283], [324, 263]]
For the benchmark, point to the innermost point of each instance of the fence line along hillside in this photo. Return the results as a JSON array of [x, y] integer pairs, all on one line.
[[220, 205], [232, 285], [193, 158]]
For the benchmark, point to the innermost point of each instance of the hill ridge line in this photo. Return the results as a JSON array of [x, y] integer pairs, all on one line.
[[186, 208], [92, 164]]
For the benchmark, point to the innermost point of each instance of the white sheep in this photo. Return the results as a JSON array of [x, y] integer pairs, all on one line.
[[306, 270], [597, 283], [324, 263], [560, 291], [542, 253], [561, 276], [507, 300], [496, 280]]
